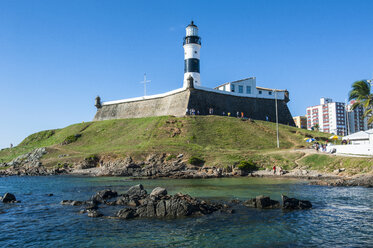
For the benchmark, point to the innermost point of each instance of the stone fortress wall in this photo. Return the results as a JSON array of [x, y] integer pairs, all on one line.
[[177, 102]]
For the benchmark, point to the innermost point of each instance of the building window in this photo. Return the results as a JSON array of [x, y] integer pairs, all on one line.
[[269, 92], [260, 92], [224, 88], [248, 89], [232, 87], [240, 89]]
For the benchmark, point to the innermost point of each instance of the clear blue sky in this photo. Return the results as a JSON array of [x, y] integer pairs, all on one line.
[[56, 56]]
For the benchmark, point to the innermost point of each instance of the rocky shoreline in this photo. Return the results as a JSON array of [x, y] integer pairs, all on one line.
[[159, 166]]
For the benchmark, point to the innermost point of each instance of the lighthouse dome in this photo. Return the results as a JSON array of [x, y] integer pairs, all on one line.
[[191, 30]]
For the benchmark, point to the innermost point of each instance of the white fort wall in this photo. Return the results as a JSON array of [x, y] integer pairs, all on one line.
[[280, 95]]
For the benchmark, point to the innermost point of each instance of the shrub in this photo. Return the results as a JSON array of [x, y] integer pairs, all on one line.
[[71, 139], [169, 157], [247, 166], [194, 160], [94, 158]]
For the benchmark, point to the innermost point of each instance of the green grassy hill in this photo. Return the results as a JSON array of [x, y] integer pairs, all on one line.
[[220, 141]]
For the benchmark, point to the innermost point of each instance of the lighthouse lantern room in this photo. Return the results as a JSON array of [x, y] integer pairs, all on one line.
[[192, 45]]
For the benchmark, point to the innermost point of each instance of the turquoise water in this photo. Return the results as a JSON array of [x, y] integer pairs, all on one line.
[[341, 217]]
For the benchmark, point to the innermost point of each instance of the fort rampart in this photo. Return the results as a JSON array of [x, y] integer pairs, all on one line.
[[177, 102]]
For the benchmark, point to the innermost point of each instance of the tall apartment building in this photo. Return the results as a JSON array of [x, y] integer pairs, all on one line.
[[356, 120], [329, 116]]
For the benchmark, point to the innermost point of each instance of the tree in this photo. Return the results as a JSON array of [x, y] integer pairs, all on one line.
[[316, 127], [361, 93]]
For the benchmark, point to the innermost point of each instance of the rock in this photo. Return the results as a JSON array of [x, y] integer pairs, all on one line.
[[136, 190], [49, 195], [103, 195], [66, 202], [126, 213], [158, 191], [9, 198], [71, 202], [76, 203], [292, 203], [262, 202], [94, 213], [133, 203], [158, 204]]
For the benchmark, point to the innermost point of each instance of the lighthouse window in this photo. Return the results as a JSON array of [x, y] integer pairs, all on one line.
[[240, 89], [195, 51], [232, 87], [248, 89], [270, 93], [260, 92]]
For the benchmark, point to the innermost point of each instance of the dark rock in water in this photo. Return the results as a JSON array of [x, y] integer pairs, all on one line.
[[136, 190], [71, 202], [103, 195], [157, 204], [262, 202], [234, 202], [94, 213], [126, 213], [121, 201], [76, 203], [292, 203], [158, 191], [66, 202], [175, 206], [9, 198], [49, 194]]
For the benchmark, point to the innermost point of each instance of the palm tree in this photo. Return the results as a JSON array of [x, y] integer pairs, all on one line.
[[361, 93]]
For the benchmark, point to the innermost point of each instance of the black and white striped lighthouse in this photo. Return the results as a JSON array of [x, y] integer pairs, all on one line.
[[192, 45]]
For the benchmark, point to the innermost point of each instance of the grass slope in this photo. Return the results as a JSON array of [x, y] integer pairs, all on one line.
[[220, 141]]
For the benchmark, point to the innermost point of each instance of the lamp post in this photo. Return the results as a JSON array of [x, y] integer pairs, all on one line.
[[278, 141]]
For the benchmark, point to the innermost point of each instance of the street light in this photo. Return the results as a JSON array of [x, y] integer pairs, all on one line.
[[278, 141]]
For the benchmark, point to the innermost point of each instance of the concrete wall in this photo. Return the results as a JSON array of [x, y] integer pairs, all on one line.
[[255, 108], [174, 104], [365, 149], [200, 100]]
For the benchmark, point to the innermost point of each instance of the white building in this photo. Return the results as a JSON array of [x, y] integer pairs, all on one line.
[[247, 87], [356, 120], [329, 116], [360, 143]]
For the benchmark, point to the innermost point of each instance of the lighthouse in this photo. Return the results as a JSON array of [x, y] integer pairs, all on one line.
[[191, 45]]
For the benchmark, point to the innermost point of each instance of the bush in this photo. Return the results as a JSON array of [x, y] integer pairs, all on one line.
[[169, 157], [247, 166], [71, 139], [196, 160], [94, 158]]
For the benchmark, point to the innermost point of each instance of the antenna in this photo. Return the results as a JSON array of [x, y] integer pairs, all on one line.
[[145, 82]]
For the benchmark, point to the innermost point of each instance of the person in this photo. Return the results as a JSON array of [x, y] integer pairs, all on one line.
[[197, 112], [229, 114], [238, 114], [11, 145], [186, 112], [266, 117], [274, 169], [241, 114]]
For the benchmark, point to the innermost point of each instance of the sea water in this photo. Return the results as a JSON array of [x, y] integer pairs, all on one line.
[[340, 217]]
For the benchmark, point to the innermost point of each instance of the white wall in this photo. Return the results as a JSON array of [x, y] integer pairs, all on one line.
[[267, 94], [365, 149]]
